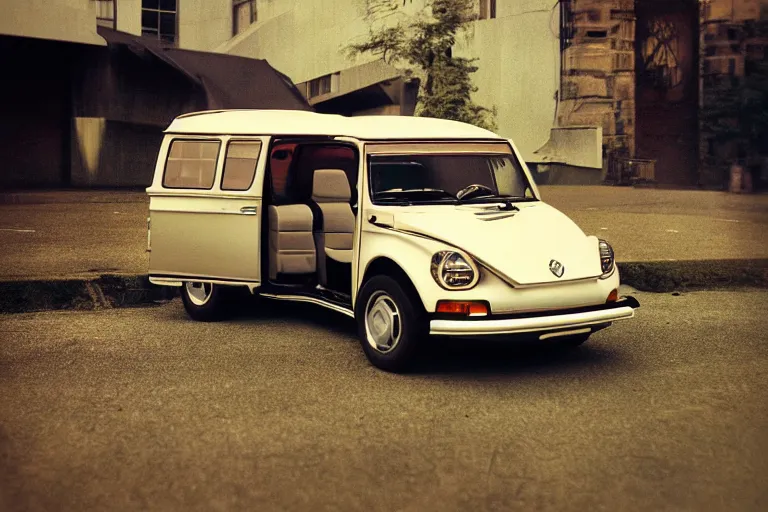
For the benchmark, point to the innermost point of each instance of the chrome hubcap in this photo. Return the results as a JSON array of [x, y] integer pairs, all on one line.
[[199, 293], [383, 325]]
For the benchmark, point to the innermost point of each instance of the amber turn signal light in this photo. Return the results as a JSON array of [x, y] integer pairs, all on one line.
[[613, 296], [462, 308]]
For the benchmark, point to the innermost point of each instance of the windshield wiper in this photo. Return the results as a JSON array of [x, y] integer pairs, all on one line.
[[508, 206], [415, 191], [499, 198], [390, 199], [413, 194], [507, 201]]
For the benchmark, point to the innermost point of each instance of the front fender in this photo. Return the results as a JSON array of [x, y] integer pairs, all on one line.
[[412, 253]]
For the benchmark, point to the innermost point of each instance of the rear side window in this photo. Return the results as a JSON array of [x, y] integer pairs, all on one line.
[[191, 164], [240, 165]]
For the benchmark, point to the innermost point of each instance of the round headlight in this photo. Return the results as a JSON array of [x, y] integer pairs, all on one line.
[[453, 271], [606, 257]]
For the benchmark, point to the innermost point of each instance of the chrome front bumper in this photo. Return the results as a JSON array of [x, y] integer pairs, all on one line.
[[542, 323]]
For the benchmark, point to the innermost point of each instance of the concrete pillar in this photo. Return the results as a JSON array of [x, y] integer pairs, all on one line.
[[88, 134]]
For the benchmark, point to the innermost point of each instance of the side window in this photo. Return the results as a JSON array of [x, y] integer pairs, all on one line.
[[313, 156], [240, 165], [292, 166], [191, 164]]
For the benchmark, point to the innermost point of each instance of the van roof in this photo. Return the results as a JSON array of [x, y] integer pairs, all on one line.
[[297, 122]]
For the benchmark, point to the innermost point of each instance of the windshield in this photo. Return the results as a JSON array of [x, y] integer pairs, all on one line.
[[446, 178]]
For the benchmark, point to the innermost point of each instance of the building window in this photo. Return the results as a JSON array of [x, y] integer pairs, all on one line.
[[107, 14], [487, 9], [320, 86], [323, 85], [191, 164], [243, 14], [159, 20]]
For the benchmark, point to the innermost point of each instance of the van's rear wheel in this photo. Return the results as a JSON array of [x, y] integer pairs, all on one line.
[[390, 323], [205, 302]]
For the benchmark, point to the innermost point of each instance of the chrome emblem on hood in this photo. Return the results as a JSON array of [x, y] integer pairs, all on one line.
[[556, 268]]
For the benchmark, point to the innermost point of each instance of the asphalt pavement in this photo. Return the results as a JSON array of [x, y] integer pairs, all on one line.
[[277, 409], [84, 234], [65, 240]]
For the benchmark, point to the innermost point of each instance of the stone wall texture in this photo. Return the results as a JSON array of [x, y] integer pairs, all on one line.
[[599, 75], [598, 79]]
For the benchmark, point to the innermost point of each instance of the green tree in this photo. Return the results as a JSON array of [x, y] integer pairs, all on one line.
[[422, 46], [735, 113], [754, 103]]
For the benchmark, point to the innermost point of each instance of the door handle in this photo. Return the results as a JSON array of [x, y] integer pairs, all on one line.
[[249, 210]]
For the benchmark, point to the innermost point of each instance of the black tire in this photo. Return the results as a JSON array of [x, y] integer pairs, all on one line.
[[576, 340], [213, 308], [377, 292]]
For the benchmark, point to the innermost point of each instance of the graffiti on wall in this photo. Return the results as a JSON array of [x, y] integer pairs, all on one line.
[[660, 54]]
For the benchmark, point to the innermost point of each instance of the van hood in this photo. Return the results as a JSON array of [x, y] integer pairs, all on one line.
[[518, 244]]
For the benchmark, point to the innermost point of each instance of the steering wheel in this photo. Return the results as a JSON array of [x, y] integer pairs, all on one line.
[[474, 190]]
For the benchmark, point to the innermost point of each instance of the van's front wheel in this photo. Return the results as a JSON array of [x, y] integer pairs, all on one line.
[[204, 302], [390, 323]]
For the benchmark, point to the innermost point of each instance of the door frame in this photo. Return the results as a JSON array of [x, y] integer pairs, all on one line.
[[253, 195], [291, 292]]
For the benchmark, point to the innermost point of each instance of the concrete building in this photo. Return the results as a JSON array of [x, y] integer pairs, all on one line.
[[516, 42], [187, 24], [71, 21], [82, 104], [589, 89]]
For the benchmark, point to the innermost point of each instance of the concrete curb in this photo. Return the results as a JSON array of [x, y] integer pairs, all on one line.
[[118, 291], [670, 276], [104, 292]]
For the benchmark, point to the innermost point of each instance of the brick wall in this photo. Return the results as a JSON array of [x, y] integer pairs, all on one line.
[[598, 79]]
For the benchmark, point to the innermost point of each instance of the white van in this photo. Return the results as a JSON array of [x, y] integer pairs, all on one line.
[[411, 226]]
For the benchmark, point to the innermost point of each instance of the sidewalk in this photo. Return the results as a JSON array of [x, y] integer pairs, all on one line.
[[657, 234]]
